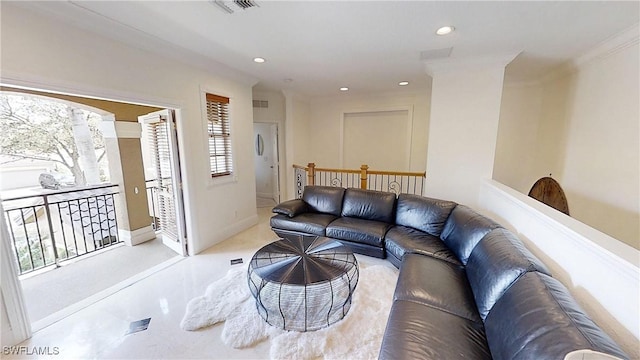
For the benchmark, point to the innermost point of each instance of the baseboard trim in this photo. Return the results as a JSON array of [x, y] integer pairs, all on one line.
[[138, 236], [228, 232]]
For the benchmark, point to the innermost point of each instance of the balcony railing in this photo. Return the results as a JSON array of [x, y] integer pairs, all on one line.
[[161, 204], [47, 229], [363, 178], [153, 191]]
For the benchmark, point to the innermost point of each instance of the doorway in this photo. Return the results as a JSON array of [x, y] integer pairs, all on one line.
[[267, 164], [64, 244], [161, 162]]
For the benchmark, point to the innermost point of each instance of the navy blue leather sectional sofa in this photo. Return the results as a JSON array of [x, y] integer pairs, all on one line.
[[467, 289]]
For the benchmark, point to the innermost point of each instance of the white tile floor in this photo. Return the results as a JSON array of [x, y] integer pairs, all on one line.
[[265, 202], [98, 331], [80, 278]]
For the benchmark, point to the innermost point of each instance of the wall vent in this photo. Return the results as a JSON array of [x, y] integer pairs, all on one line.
[[260, 104], [230, 6]]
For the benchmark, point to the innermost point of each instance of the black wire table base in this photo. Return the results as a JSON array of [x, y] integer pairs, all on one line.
[[303, 283]]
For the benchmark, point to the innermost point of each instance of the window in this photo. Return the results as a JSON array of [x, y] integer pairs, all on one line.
[[219, 133]]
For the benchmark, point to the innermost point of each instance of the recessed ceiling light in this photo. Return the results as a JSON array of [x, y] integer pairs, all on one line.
[[259, 60], [445, 30], [403, 83], [344, 88]]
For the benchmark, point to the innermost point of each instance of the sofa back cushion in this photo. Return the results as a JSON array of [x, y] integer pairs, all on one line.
[[464, 229], [324, 199], [498, 260], [422, 213], [369, 205], [538, 319]]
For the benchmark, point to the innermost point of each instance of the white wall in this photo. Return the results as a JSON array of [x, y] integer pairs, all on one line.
[[552, 129], [583, 127], [518, 136], [291, 113], [264, 162], [601, 273], [6, 333], [52, 55], [301, 132], [381, 139], [296, 140], [465, 111], [326, 127], [275, 114], [14, 321], [601, 174]]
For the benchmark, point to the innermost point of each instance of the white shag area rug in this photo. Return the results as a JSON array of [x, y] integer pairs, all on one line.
[[357, 336]]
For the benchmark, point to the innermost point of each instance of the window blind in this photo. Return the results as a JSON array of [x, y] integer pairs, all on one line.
[[219, 132]]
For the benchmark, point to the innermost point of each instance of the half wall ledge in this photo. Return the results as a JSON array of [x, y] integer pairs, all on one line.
[[602, 273]]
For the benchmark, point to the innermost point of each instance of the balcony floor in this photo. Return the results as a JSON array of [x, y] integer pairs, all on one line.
[[47, 292]]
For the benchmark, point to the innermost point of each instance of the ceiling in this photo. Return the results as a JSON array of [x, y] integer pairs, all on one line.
[[369, 46]]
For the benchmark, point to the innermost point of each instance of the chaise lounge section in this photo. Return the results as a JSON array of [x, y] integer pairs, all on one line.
[[467, 287]]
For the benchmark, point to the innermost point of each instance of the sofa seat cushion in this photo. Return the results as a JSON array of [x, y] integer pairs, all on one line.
[[422, 213], [369, 205], [464, 229], [402, 240], [538, 319], [364, 249], [436, 283], [358, 230], [416, 331], [498, 260], [309, 223]]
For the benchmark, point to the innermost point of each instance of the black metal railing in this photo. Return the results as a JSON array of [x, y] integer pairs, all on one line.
[[300, 177], [152, 198], [46, 229], [153, 191]]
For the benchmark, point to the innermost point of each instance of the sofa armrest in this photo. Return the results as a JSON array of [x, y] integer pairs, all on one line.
[[291, 208]]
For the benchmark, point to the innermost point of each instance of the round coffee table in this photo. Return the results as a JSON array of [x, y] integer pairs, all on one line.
[[303, 283]]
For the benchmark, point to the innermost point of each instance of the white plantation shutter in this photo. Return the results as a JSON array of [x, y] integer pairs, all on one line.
[[219, 132], [160, 148]]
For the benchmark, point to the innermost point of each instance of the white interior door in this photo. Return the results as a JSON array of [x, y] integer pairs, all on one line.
[[160, 129], [275, 163], [266, 160]]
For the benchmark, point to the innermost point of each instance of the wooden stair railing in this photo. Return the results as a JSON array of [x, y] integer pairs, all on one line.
[[363, 178]]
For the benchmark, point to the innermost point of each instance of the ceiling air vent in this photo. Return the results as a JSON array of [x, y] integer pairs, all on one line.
[[260, 104], [245, 4], [230, 6]]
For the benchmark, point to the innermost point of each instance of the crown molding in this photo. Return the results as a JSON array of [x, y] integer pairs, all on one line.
[[610, 46]]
